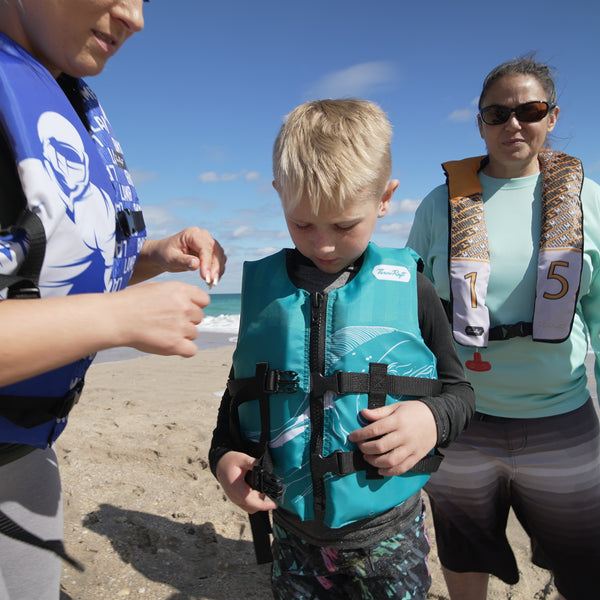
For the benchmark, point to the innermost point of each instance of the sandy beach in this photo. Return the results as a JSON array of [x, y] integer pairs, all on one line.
[[143, 512]]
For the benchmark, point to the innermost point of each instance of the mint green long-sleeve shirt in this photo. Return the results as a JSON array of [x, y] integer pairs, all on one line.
[[528, 379]]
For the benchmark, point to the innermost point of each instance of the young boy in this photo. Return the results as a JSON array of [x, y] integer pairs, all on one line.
[[333, 334]]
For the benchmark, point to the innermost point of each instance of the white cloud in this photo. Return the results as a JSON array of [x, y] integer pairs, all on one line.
[[140, 177], [405, 206], [158, 217], [462, 115], [208, 177], [244, 231], [266, 251], [358, 80], [401, 229], [244, 174]]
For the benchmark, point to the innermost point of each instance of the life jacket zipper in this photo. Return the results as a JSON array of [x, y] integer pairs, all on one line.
[[318, 306]]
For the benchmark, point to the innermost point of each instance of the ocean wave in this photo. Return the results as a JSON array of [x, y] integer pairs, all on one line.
[[221, 324]]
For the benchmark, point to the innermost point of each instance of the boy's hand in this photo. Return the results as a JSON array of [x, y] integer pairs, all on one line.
[[231, 473], [399, 435]]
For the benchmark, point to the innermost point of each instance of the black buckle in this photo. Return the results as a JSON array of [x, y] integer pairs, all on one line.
[[507, 332], [130, 222], [265, 482], [285, 382], [319, 383], [24, 290], [69, 401]]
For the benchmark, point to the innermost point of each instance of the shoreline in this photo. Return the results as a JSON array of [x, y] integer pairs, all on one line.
[[206, 340]]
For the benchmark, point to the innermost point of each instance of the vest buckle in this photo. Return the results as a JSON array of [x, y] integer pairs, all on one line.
[[284, 382], [130, 222], [265, 482]]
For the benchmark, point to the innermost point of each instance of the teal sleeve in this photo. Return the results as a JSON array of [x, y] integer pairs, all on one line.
[[590, 300], [428, 237]]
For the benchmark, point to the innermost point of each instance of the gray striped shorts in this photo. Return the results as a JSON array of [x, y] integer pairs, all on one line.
[[548, 471]]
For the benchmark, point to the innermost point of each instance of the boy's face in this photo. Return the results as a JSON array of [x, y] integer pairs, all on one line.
[[334, 239]]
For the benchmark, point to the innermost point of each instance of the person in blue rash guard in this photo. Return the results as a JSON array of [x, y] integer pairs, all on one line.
[[335, 333], [71, 230], [521, 264]]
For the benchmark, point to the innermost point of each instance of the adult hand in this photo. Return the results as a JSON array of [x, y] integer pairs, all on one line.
[[190, 249], [159, 317], [231, 472], [398, 436]]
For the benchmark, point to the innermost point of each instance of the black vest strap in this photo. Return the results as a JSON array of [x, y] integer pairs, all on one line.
[[24, 283], [260, 524], [506, 332], [265, 381], [499, 332], [13, 530], [31, 411], [130, 222], [343, 463], [360, 383]]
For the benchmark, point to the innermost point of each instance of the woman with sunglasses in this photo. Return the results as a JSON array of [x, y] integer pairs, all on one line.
[[71, 230], [519, 270]]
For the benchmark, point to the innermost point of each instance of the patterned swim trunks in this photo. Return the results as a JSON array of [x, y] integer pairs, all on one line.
[[395, 568]]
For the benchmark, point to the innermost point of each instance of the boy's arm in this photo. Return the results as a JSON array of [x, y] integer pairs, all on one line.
[[230, 467], [221, 442], [455, 405]]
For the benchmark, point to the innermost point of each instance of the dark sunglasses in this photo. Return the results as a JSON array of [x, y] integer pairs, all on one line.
[[529, 112]]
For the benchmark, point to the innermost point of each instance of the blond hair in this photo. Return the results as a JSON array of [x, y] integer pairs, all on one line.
[[327, 151]]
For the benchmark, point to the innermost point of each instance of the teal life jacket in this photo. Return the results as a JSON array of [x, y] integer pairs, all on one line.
[[306, 364], [560, 254], [81, 229]]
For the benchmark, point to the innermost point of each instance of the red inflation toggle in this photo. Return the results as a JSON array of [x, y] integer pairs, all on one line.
[[477, 364]]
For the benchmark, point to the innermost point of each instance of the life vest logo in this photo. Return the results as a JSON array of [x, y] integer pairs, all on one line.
[[391, 273], [473, 330]]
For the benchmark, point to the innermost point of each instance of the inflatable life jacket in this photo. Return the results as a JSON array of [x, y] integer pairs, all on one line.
[[305, 365], [560, 256], [81, 230]]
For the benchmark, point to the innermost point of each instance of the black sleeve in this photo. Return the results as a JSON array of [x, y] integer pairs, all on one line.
[[221, 439], [455, 406]]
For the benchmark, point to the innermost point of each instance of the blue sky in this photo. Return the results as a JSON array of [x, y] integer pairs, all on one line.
[[197, 98]]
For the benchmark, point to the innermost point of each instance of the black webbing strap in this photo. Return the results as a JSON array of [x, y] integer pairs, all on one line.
[[13, 530], [264, 381], [262, 479], [13, 213], [499, 332], [343, 463], [360, 383], [259, 387], [24, 283], [506, 332], [377, 381], [260, 524], [130, 222], [428, 464], [377, 385], [31, 411]]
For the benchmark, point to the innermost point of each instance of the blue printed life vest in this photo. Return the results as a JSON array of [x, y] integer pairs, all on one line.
[[560, 255], [76, 182], [305, 366]]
